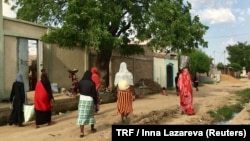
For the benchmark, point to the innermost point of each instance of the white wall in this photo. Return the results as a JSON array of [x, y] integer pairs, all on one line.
[[159, 71]]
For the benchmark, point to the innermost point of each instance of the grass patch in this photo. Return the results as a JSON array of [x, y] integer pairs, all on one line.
[[227, 112]]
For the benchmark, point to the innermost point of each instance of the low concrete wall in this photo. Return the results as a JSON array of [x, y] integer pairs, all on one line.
[[108, 97], [65, 103], [62, 104], [4, 115]]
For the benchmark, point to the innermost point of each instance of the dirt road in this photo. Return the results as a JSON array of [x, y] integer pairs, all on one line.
[[151, 109]]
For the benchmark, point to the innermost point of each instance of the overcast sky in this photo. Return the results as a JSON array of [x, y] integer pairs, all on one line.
[[6, 10], [228, 21]]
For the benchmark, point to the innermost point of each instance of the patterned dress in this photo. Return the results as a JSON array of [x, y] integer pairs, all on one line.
[[85, 111], [124, 101], [186, 92]]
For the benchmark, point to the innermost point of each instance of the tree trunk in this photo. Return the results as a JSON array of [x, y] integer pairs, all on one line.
[[103, 60]]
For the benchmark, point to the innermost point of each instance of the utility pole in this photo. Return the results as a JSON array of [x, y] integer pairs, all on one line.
[[224, 61]]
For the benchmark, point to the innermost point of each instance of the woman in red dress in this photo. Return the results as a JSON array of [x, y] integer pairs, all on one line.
[[43, 101], [185, 87]]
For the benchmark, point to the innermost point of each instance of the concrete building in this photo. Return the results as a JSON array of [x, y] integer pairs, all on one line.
[[20, 45]]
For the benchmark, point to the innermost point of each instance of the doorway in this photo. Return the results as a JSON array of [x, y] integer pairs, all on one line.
[[32, 57], [27, 62], [170, 76]]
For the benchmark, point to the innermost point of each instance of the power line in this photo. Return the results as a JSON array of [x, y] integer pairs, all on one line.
[[226, 36]]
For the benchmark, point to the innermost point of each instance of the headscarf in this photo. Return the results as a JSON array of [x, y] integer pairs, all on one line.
[[184, 62], [19, 78], [123, 74], [87, 75], [44, 76], [95, 77]]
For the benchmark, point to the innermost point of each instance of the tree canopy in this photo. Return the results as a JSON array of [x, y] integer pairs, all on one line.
[[199, 62], [239, 54], [106, 26]]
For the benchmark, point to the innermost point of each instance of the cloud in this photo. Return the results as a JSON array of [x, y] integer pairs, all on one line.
[[197, 4], [7, 12], [217, 16], [241, 19], [248, 11], [229, 42]]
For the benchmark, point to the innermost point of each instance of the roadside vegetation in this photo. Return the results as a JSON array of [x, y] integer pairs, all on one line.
[[227, 112]]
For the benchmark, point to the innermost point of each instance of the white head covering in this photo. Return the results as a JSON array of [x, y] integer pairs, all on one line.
[[123, 74], [184, 61]]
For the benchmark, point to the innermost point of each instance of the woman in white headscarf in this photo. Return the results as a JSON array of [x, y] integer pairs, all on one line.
[[124, 83]]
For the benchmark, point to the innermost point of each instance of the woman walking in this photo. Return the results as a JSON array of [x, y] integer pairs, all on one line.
[[96, 78], [185, 87], [17, 99], [124, 83], [43, 101], [87, 100]]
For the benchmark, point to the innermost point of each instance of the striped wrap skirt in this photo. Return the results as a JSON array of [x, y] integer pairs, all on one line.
[[124, 101]]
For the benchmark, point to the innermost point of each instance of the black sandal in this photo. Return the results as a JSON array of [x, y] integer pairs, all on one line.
[[93, 130], [81, 135]]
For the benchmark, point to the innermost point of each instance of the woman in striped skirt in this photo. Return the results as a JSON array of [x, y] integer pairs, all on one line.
[[125, 91]]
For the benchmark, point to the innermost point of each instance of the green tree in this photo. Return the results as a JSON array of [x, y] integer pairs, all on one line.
[[199, 62], [220, 65], [235, 67], [239, 54], [108, 26]]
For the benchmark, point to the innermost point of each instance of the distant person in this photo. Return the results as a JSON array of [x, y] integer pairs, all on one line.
[[196, 83], [17, 99], [43, 101], [124, 83], [185, 87], [176, 86], [87, 100], [43, 71], [75, 85], [32, 75], [96, 78], [164, 91]]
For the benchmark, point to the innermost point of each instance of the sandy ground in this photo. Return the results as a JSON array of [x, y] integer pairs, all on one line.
[[151, 109]]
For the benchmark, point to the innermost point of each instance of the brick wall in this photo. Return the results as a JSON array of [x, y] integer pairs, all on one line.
[[141, 66]]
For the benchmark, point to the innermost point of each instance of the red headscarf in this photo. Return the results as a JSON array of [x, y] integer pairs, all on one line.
[[95, 77]]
